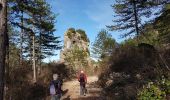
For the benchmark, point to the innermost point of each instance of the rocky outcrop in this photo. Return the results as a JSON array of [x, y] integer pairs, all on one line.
[[75, 39]]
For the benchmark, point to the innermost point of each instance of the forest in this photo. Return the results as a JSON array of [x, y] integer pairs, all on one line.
[[137, 68]]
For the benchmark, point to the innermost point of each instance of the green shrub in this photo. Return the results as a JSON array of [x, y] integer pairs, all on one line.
[[165, 85], [71, 32], [155, 91], [139, 65], [83, 35]]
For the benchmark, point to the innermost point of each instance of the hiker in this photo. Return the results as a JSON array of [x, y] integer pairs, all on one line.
[[83, 80], [55, 87]]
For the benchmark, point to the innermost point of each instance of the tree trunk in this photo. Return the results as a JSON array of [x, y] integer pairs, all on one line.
[[136, 19], [30, 49], [3, 41], [40, 43], [33, 58], [21, 39], [7, 56], [7, 66], [39, 67]]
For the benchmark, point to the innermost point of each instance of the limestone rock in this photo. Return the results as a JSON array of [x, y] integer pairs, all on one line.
[[75, 38]]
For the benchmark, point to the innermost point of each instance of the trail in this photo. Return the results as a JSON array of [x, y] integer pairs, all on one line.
[[72, 90]]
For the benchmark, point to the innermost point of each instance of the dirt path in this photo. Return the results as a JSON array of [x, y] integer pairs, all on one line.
[[72, 88]]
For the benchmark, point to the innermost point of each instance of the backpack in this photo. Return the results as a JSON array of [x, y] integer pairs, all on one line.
[[81, 78], [52, 89], [55, 87]]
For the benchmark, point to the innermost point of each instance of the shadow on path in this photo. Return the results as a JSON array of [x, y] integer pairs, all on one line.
[[65, 91]]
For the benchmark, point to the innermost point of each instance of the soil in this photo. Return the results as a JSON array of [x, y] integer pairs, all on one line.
[[72, 90]]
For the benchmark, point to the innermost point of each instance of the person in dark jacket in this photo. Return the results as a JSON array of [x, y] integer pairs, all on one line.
[[57, 83]]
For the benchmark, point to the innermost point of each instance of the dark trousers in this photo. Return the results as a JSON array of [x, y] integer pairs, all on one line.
[[82, 88]]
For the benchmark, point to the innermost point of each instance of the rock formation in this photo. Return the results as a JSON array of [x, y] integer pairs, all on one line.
[[75, 52]]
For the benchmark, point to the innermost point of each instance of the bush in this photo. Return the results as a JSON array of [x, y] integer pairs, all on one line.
[[21, 87], [71, 32], [151, 92], [133, 66], [83, 35], [155, 91], [64, 71]]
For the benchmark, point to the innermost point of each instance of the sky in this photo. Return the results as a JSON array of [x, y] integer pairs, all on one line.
[[89, 15]]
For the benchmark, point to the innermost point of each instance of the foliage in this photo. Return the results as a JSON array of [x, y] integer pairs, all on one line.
[[138, 59], [151, 92], [61, 69], [88, 52], [129, 67], [35, 18], [13, 48], [132, 65], [19, 85], [150, 35], [164, 85], [76, 58], [71, 32], [155, 91], [162, 25], [83, 35], [103, 44], [129, 14], [129, 42]]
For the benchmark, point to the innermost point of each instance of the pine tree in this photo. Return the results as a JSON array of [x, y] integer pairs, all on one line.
[[47, 42], [38, 16], [129, 14], [103, 44]]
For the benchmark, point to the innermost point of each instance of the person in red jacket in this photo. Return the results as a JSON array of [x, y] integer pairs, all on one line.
[[82, 78]]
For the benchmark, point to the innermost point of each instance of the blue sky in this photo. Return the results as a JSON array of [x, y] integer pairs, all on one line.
[[89, 15]]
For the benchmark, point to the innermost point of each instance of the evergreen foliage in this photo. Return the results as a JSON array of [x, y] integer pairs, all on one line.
[[83, 35], [129, 15], [39, 20], [71, 32], [162, 25], [103, 44]]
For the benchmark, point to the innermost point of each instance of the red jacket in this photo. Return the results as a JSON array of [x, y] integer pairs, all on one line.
[[85, 77]]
